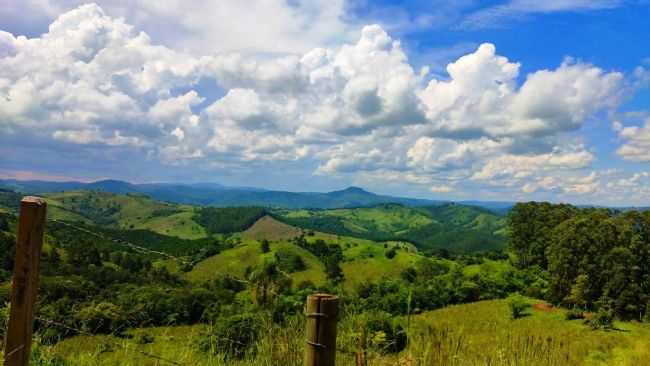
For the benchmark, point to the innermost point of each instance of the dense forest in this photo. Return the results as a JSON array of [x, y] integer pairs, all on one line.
[[594, 258], [228, 219]]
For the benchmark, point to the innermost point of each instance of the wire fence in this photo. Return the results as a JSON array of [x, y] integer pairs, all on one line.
[[126, 244], [119, 344]]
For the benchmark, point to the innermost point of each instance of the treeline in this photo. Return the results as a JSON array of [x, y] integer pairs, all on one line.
[[595, 259], [217, 220]]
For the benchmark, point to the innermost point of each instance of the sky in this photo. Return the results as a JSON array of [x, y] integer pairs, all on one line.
[[486, 100]]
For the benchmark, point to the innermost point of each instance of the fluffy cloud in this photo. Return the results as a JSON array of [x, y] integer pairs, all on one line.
[[481, 98], [95, 82], [204, 27], [637, 142]]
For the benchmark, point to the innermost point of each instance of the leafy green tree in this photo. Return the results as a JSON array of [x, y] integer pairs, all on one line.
[[267, 279], [265, 246], [103, 317], [518, 306], [530, 225]]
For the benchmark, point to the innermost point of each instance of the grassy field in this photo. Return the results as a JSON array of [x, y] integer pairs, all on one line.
[[367, 261], [474, 334], [385, 218], [235, 261]]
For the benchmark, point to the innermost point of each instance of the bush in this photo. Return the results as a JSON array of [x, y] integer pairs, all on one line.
[[232, 336], [145, 338], [518, 306], [575, 313], [391, 253], [384, 334], [602, 319], [264, 245], [289, 261], [103, 317], [4, 319]]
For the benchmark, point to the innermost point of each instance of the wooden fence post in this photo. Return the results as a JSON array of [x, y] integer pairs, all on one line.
[[25, 281], [322, 311]]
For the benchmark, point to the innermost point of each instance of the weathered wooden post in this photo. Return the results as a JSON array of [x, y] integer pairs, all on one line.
[[322, 311], [25, 281]]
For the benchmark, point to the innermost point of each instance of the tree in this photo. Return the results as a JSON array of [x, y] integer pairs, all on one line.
[[530, 226], [267, 279], [579, 295], [265, 246], [4, 224], [333, 269], [103, 317], [518, 306]]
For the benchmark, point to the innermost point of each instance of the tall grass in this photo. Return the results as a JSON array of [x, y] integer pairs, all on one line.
[[475, 334]]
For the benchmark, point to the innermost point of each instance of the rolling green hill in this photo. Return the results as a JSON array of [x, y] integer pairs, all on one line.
[[363, 260], [454, 227], [237, 261], [129, 211]]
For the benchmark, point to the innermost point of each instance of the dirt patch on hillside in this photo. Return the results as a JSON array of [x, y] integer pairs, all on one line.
[[543, 306], [270, 229]]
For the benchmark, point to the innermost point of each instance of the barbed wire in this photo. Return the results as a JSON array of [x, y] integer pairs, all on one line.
[[132, 246], [125, 243], [82, 332]]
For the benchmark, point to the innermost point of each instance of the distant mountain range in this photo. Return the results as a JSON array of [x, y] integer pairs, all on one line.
[[215, 194]]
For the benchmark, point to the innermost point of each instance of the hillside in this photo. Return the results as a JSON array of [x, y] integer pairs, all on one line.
[[125, 211], [452, 227], [239, 261], [362, 260]]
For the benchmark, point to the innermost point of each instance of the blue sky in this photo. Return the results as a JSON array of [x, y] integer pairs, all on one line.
[[492, 100]]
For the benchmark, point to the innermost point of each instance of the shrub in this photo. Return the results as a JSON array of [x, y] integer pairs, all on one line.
[[103, 317], [575, 313], [409, 274], [145, 338], [391, 253], [289, 261], [602, 319], [518, 306], [384, 334], [4, 319], [231, 336], [264, 245]]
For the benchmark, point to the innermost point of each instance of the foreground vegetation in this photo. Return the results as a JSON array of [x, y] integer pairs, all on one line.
[[481, 333], [234, 294]]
